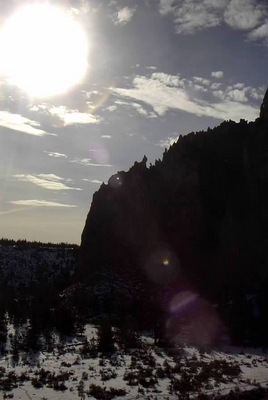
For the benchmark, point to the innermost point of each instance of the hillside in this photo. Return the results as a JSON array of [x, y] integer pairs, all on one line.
[[195, 221]]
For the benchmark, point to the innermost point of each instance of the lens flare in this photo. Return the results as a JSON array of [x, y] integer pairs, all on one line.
[[193, 321], [182, 300], [162, 265], [116, 181], [99, 153]]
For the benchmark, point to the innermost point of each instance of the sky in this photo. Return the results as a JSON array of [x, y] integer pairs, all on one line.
[[156, 69]]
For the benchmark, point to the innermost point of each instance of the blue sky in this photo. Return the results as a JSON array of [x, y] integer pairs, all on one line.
[[156, 69]]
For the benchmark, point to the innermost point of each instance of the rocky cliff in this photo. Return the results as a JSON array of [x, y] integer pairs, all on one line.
[[197, 216]]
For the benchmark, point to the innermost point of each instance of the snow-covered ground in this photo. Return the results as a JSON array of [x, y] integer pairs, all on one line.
[[146, 372]]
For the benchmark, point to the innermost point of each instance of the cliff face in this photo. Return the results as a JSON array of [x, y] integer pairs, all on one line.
[[199, 215]]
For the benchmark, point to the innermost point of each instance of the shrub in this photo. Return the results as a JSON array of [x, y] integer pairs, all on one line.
[[106, 375], [103, 394], [36, 383]]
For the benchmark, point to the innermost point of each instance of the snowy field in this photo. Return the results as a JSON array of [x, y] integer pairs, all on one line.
[[148, 372]]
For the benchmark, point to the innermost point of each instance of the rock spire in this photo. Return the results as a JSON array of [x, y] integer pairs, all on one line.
[[264, 107]]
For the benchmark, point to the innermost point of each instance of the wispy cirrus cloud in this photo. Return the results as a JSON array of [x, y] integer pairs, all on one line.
[[162, 96], [21, 124], [64, 116], [138, 107], [81, 161], [40, 203], [88, 162], [96, 181], [55, 154], [46, 181]]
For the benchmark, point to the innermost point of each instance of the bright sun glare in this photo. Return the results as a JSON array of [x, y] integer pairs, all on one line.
[[43, 50]]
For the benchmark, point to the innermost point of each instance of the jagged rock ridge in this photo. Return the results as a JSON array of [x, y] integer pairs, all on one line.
[[203, 208]]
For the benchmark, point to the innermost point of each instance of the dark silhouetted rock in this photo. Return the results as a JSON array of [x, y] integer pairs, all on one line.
[[198, 217], [264, 107]]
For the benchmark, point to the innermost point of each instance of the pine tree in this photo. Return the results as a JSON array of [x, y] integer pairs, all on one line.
[[105, 337]]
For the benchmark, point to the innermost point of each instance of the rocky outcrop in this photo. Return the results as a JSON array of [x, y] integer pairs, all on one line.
[[264, 108], [198, 216]]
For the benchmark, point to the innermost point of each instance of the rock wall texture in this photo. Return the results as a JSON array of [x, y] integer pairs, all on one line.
[[199, 215]]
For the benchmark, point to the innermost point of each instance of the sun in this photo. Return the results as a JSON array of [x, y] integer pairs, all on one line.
[[43, 50]]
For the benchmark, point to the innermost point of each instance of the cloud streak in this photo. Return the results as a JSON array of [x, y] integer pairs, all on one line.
[[60, 116], [87, 162], [46, 181], [40, 203], [161, 96], [21, 124], [55, 154]]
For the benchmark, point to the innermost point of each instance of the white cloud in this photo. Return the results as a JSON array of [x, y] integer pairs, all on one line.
[[259, 33], [217, 74], [169, 80], [166, 143], [124, 15], [40, 203], [162, 97], [51, 177], [70, 117], [203, 81], [238, 86], [219, 94], [199, 88], [215, 86], [191, 16], [238, 93], [63, 116], [55, 154], [136, 106], [139, 109], [87, 162], [96, 181], [166, 6], [106, 136], [243, 14], [46, 181], [151, 67], [111, 108], [81, 161], [257, 94], [18, 123]]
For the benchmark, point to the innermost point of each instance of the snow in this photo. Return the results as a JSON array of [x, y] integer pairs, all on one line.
[[253, 364]]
